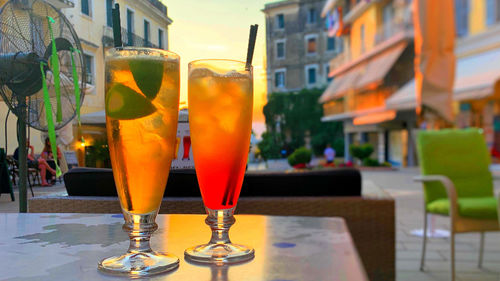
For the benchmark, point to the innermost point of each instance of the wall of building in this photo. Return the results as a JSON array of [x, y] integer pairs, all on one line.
[[90, 30], [477, 16], [295, 35], [368, 21]]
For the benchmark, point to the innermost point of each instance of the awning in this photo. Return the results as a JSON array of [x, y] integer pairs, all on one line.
[[475, 79], [404, 99], [374, 118], [340, 86], [378, 67], [353, 114], [329, 5], [366, 75], [99, 117], [94, 118]]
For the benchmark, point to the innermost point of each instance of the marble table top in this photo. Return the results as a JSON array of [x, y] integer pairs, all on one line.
[[68, 247]]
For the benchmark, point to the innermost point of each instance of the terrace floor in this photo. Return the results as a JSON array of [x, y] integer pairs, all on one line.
[[409, 216]]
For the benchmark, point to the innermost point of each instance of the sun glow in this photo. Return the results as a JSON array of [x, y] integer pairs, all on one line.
[[219, 29]]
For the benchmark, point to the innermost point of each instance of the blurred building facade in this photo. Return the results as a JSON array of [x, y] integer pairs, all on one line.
[[373, 88], [144, 23], [297, 47]]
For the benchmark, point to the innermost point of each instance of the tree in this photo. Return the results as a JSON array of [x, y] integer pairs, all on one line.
[[269, 149], [290, 116]]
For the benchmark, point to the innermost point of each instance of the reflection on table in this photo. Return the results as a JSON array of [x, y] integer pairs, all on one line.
[[68, 247]]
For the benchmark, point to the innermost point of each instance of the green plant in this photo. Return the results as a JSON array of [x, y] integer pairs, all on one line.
[[370, 162], [301, 155], [98, 152], [291, 115], [269, 148], [361, 151]]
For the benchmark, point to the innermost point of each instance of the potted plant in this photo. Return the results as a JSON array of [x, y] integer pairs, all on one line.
[[300, 158]]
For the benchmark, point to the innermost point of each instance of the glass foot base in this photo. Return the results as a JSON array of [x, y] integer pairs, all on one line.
[[139, 264], [219, 253]]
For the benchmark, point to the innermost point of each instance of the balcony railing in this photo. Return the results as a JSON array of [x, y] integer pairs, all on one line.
[[128, 39], [158, 5], [385, 32]]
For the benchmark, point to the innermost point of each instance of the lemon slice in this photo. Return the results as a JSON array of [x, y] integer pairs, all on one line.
[[125, 104], [148, 75]]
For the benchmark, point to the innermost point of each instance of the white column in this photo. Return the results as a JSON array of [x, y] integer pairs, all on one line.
[[411, 146], [347, 143], [381, 147]]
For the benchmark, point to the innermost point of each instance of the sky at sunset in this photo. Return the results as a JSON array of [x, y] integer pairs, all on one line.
[[219, 29]]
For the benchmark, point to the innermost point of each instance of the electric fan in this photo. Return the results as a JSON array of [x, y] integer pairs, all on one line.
[[41, 71]]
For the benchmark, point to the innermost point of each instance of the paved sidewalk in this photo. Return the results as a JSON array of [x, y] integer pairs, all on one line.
[[409, 216], [9, 206]]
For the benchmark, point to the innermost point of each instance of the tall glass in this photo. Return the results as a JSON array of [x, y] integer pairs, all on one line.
[[142, 101], [220, 96]]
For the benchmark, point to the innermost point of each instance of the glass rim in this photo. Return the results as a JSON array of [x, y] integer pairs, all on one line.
[[117, 50], [194, 62]]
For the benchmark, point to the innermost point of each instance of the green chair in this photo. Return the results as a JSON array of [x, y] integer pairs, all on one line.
[[457, 183]]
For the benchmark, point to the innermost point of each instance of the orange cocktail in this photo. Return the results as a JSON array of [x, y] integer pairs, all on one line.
[[142, 101], [220, 119], [142, 126], [220, 95]]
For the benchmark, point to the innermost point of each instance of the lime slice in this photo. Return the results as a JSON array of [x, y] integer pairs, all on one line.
[[148, 75], [125, 104]]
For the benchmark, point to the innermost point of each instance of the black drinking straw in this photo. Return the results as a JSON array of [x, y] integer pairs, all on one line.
[[117, 31], [251, 45], [229, 192], [117, 38]]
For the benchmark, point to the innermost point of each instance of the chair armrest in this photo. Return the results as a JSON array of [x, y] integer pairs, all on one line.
[[448, 185]]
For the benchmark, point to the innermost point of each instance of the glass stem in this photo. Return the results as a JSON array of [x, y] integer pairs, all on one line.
[[219, 222], [139, 229]]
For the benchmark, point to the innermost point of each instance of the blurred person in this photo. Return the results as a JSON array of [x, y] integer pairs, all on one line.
[[49, 157], [329, 154], [33, 162]]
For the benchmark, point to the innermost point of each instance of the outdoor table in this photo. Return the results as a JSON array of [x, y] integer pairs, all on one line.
[[68, 247]]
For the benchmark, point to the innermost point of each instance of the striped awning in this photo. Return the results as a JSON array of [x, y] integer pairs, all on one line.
[[475, 78], [365, 75]]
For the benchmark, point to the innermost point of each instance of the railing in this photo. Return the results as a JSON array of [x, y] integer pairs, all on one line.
[[384, 33], [90, 78], [333, 107], [128, 39], [340, 59], [390, 29], [158, 5]]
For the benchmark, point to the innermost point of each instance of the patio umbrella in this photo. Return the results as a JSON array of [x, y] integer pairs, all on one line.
[[434, 23]]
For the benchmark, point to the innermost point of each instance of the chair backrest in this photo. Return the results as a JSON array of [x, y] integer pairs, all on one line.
[[462, 156]]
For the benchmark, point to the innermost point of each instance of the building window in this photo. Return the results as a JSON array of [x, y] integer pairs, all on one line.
[[311, 73], [311, 44], [330, 44], [88, 60], [327, 71], [109, 13], [461, 17], [86, 7], [362, 37], [492, 11], [311, 16], [147, 33], [388, 14], [279, 78], [280, 21], [280, 50], [160, 38], [130, 27]]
